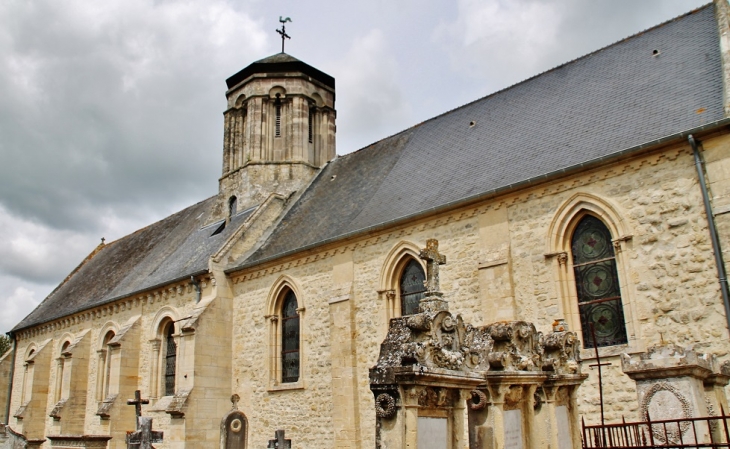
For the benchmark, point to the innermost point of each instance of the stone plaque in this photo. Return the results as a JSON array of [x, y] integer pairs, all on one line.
[[565, 438], [513, 429], [432, 433]]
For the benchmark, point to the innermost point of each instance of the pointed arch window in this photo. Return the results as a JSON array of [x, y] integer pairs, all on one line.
[[170, 359], [412, 287], [105, 363], [597, 284], [289, 338]]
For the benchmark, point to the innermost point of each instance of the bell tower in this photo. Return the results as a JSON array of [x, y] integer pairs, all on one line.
[[279, 130]]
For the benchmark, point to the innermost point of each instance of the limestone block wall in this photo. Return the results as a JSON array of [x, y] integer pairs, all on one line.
[[134, 321]]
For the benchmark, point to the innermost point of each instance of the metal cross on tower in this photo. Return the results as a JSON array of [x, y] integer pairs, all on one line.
[[282, 31]]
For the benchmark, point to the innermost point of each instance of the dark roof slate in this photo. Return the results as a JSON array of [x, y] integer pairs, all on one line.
[[171, 249], [280, 63], [610, 100]]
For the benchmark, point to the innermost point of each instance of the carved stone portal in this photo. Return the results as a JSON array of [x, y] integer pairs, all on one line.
[[441, 381]]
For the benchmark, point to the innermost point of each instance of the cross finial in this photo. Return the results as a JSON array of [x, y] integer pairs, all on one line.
[[137, 402], [282, 31], [433, 259]]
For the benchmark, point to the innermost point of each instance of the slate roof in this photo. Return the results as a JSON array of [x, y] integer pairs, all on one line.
[[171, 249], [599, 105], [613, 99], [280, 63]]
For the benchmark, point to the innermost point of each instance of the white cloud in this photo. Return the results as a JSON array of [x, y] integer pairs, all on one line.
[[16, 306], [499, 41], [367, 82]]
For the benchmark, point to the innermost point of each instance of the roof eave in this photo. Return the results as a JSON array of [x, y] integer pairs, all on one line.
[[676, 137]]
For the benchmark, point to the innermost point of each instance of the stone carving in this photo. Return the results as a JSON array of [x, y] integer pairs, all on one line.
[[562, 353], [517, 346], [478, 400], [440, 340], [384, 406], [664, 401], [234, 426], [438, 366], [435, 397]]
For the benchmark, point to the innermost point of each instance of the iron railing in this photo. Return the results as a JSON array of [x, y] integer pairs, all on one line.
[[707, 432]]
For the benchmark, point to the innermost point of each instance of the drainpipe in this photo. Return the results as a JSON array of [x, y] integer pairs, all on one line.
[[719, 262], [197, 288], [12, 375]]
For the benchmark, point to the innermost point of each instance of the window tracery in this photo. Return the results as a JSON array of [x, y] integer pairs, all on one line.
[[289, 339], [597, 284], [412, 287]]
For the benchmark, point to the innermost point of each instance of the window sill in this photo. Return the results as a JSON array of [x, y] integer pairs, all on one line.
[[286, 386], [633, 347]]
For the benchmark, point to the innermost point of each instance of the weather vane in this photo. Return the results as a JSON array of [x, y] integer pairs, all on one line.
[[282, 31]]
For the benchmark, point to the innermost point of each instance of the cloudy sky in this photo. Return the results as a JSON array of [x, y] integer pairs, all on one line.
[[111, 111]]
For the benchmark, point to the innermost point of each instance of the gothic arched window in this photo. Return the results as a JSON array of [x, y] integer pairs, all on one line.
[[289, 338], [412, 287], [104, 367], [597, 284], [170, 359]]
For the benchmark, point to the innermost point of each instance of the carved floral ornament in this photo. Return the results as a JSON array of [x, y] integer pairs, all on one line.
[[442, 341]]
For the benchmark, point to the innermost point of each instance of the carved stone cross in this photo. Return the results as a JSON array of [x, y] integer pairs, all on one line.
[[145, 436], [279, 442], [433, 259], [137, 403]]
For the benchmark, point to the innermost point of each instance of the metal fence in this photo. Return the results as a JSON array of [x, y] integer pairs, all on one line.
[[709, 432]]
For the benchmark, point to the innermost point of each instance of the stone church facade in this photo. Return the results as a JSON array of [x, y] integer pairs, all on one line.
[[574, 196]]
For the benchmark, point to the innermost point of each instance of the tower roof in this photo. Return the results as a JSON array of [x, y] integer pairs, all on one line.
[[280, 63]]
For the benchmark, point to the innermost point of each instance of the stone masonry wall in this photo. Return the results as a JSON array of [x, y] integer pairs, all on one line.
[[669, 288]]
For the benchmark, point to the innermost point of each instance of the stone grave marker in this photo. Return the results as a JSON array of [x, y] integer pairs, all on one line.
[[513, 434], [432, 433]]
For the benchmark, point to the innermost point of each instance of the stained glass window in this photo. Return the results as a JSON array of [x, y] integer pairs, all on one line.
[[289, 339], [170, 359], [412, 287], [597, 283]]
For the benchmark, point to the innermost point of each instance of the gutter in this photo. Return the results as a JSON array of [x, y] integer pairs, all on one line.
[[677, 137], [716, 249], [12, 375]]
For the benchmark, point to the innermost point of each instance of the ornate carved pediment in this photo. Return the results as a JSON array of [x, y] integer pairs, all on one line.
[[441, 340]]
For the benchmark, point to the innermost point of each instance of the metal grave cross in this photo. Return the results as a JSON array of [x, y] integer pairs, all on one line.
[[433, 259], [282, 31], [145, 436], [137, 403], [279, 442]]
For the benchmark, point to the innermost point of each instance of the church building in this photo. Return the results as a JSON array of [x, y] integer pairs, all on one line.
[[595, 194]]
